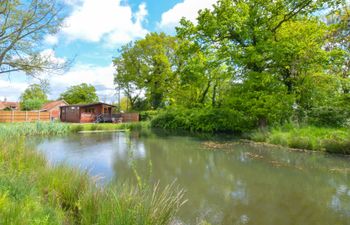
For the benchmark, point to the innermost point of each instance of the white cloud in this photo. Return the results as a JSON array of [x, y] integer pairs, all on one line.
[[50, 54], [99, 76], [51, 39], [105, 20], [187, 8], [11, 90]]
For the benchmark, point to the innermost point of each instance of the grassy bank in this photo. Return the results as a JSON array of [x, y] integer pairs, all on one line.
[[332, 140], [48, 128], [33, 192]]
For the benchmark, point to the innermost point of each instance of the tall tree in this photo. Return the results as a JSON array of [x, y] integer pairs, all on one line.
[[146, 67], [263, 41], [23, 26], [80, 94], [33, 97]]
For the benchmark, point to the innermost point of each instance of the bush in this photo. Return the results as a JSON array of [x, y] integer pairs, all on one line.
[[328, 116], [148, 115], [201, 119]]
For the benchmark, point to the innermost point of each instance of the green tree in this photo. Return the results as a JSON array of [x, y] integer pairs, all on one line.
[[33, 97], [202, 78], [146, 68], [23, 26], [281, 42], [80, 94]]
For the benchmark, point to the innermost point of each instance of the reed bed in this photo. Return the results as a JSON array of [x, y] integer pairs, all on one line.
[[10, 130]]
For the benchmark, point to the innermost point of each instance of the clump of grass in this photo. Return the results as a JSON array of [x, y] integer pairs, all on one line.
[[300, 142], [332, 140], [121, 205], [32, 192], [259, 136], [278, 139]]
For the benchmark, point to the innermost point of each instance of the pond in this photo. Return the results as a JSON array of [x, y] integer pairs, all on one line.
[[225, 182]]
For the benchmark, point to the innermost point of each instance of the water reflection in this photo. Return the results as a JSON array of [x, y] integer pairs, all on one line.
[[241, 184]]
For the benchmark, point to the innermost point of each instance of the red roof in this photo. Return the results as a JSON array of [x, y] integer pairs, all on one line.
[[53, 104], [9, 105]]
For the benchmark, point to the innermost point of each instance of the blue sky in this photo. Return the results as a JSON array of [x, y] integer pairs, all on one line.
[[94, 30]]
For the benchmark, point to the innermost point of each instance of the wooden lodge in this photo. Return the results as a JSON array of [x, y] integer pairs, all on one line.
[[53, 108], [94, 113]]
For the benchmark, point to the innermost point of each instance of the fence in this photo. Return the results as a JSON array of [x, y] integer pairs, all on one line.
[[121, 117], [130, 117], [23, 116]]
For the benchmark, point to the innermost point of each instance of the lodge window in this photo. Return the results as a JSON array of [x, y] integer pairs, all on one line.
[[90, 110]]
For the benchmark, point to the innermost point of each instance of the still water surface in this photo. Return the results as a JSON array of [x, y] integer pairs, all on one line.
[[225, 183]]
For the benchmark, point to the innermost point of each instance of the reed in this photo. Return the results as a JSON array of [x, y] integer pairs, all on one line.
[[56, 128]]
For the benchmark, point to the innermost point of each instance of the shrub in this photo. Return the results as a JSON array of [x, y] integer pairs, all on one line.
[[148, 115], [202, 119], [328, 116]]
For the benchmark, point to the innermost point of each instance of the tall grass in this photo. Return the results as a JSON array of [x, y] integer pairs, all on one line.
[[37, 128], [55, 128], [109, 126], [332, 140], [32, 192]]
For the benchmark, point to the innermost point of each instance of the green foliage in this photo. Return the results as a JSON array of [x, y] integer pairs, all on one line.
[[33, 97], [328, 116], [32, 104], [148, 115], [80, 94], [263, 98], [146, 65], [203, 120], [273, 62]]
